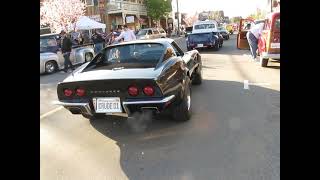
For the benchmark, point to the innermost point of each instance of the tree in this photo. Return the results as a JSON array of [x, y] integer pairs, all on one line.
[[158, 8], [258, 15], [61, 14]]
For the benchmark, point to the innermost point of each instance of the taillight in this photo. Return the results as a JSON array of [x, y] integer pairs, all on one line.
[[148, 90], [68, 92], [133, 90], [80, 92]]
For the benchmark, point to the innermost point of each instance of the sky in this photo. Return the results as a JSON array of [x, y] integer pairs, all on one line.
[[231, 8]]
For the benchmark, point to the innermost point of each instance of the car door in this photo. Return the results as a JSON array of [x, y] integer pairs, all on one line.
[[242, 42]]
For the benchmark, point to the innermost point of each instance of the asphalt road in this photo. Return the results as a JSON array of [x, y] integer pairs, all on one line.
[[234, 133]]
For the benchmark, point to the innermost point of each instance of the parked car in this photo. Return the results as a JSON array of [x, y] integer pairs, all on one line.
[[51, 58], [269, 42], [132, 78], [224, 33], [188, 31], [204, 40], [151, 33]]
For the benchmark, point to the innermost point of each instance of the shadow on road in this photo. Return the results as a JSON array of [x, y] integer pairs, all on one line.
[[233, 134]]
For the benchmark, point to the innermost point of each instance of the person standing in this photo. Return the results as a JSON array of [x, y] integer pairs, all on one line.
[[127, 35], [253, 36], [85, 38], [98, 42], [66, 47]]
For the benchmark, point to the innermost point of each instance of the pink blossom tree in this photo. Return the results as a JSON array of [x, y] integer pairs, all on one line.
[[61, 14]]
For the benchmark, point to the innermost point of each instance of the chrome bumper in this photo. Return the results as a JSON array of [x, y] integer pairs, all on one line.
[[84, 108], [266, 55]]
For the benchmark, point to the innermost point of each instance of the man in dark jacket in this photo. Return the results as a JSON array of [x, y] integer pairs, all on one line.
[[98, 42], [66, 47]]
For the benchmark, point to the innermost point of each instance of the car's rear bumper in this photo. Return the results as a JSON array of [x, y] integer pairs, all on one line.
[[266, 55], [129, 106]]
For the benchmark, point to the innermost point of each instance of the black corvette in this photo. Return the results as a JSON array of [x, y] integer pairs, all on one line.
[[134, 77]]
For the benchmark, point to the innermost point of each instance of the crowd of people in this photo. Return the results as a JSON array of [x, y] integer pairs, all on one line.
[[98, 38]]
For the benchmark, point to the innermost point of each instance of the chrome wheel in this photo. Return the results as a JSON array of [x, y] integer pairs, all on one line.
[[50, 67]]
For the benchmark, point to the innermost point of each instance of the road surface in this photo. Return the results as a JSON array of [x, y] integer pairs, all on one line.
[[234, 133]]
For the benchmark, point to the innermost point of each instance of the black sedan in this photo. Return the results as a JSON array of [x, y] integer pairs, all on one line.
[[133, 78]]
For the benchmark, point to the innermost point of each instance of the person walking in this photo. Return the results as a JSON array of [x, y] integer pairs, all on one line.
[[253, 36], [66, 47], [127, 35], [98, 42]]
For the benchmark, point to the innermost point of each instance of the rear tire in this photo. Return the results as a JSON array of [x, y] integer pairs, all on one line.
[[182, 112], [197, 79]]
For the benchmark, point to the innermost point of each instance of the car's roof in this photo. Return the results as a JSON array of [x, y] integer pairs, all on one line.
[[160, 40]]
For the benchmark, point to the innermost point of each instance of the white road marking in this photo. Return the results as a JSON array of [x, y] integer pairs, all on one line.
[[50, 112], [246, 84]]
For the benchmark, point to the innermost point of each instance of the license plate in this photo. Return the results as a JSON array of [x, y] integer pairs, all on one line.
[[199, 45], [275, 45], [108, 105]]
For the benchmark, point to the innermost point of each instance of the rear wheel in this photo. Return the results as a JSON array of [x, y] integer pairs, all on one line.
[[197, 77], [51, 67], [182, 112]]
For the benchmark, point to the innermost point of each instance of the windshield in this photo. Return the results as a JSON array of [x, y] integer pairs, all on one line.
[[129, 56], [142, 32], [204, 26], [47, 42]]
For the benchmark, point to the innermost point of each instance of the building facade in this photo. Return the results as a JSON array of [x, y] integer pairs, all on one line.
[[133, 13]]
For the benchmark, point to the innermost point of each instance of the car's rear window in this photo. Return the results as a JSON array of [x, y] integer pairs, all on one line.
[[204, 26], [131, 55]]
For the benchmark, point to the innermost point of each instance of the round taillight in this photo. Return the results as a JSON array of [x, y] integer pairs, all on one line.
[[80, 92], [133, 91], [148, 90], [68, 92]]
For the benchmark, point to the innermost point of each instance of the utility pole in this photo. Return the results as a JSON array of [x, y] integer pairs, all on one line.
[[178, 17]]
